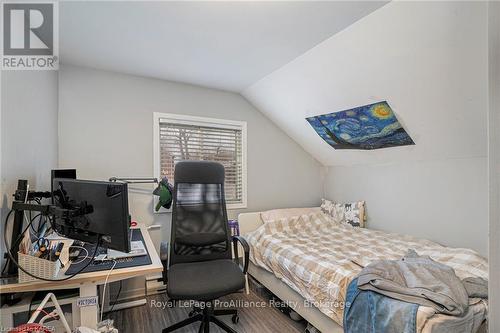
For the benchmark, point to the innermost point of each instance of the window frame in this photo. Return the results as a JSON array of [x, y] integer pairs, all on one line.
[[207, 122]]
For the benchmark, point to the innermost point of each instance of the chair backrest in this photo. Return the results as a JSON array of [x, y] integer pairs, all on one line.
[[200, 230]]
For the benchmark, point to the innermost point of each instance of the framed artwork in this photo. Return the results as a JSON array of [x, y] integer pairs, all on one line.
[[366, 127]]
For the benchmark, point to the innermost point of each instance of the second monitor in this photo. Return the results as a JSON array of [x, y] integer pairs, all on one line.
[[93, 210]]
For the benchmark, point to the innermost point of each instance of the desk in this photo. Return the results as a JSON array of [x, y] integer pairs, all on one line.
[[88, 282]]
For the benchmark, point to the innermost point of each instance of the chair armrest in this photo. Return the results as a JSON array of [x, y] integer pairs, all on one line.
[[246, 248]]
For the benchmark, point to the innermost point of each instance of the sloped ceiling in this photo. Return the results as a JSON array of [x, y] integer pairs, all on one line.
[[219, 44], [427, 59]]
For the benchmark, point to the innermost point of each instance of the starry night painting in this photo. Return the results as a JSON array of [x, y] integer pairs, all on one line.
[[366, 127]]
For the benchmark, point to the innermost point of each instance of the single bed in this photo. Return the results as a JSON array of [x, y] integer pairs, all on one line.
[[285, 256]]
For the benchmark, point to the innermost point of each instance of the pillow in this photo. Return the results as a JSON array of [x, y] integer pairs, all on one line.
[[327, 206], [276, 214], [352, 213], [355, 213]]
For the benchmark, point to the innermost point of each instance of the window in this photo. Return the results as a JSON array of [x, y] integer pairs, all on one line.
[[180, 138]]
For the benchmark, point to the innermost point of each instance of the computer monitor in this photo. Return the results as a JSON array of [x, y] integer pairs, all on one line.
[[63, 173], [60, 173], [92, 209]]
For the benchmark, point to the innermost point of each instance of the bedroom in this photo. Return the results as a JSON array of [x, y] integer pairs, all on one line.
[[276, 93]]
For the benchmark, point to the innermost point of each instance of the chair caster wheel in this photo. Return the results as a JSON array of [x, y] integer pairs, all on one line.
[[235, 319]]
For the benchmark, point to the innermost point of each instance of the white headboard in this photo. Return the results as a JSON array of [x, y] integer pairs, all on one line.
[[249, 222]]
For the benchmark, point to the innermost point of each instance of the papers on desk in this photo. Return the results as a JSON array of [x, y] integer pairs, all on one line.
[[137, 248]]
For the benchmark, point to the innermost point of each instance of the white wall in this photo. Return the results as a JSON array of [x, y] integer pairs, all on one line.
[[440, 200], [28, 132], [105, 130], [429, 61], [494, 164]]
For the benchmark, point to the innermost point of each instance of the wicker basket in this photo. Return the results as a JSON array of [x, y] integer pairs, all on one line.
[[40, 267]]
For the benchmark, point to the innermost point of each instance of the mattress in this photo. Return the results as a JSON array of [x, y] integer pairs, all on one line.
[[318, 258]]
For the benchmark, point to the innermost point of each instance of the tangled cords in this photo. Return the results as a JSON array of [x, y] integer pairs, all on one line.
[[29, 328]]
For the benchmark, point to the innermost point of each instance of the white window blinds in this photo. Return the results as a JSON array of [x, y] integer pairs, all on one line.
[[187, 140]]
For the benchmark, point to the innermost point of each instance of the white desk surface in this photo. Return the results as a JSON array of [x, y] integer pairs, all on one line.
[[94, 278]]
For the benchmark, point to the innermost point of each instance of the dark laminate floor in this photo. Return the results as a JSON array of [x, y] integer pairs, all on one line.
[[252, 319]]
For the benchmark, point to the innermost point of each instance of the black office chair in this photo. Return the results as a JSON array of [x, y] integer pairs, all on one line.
[[201, 266]]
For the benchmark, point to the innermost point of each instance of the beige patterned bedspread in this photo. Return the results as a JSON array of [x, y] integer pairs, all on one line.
[[318, 258]]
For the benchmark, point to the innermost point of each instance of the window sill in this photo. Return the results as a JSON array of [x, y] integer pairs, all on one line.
[[236, 206], [228, 207]]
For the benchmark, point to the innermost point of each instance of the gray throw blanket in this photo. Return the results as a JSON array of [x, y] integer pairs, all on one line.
[[417, 279], [476, 287]]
